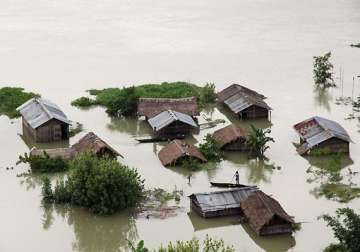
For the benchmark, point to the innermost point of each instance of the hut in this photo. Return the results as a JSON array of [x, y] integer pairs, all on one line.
[[89, 143], [43, 121], [171, 123], [178, 150], [323, 135], [150, 107], [231, 137], [244, 102], [220, 203], [265, 215]]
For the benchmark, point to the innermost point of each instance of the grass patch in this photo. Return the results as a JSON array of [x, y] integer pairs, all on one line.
[[11, 98], [123, 101]]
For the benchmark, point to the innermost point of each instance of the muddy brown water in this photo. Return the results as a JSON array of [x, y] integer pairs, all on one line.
[[62, 48]]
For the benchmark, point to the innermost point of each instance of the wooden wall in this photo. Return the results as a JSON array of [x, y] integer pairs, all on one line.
[[254, 112]]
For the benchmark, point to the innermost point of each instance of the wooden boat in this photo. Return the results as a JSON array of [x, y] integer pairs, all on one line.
[[229, 185], [159, 139]]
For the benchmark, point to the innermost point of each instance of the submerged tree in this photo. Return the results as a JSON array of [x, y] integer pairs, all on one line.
[[323, 71], [258, 141], [211, 149], [346, 227]]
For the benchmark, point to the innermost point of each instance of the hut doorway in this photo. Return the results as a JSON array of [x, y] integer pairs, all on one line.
[[64, 132]]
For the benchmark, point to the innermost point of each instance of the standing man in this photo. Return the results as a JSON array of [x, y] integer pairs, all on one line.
[[237, 177]]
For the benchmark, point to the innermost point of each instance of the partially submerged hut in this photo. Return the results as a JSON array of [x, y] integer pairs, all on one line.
[[244, 102], [265, 215], [150, 107], [43, 121], [171, 124], [89, 143], [231, 137], [220, 203], [178, 150], [323, 135]]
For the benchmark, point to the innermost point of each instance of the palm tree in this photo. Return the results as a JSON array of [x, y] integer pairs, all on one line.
[[258, 140]]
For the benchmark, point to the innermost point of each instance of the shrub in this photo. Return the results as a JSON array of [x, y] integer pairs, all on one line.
[[355, 45], [101, 185], [43, 164], [211, 149], [46, 190], [346, 227], [323, 71], [83, 102], [74, 130], [258, 141], [11, 98]]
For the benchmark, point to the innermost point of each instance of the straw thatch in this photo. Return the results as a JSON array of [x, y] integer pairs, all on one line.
[[177, 150], [230, 134], [150, 107]]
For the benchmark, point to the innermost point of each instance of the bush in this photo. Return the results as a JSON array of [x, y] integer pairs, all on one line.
[[346, 227], [211, 149], [355, 45], [11, 98], [258, 141], [123, 101], [43, 164], [101, 185], [323, 71]]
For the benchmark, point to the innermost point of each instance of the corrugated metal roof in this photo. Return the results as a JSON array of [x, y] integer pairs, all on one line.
[[220, 200], [241, 101], [38, 111], [169, 116]]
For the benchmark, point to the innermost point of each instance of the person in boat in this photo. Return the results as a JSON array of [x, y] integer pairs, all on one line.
[[237, 179]]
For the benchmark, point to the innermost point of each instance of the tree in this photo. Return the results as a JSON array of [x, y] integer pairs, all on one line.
[[323, 71], [258, 140], [211, 149], [346, 227]]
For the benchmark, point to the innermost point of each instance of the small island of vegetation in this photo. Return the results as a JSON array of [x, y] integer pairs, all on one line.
[[323, 75], [123, 101]]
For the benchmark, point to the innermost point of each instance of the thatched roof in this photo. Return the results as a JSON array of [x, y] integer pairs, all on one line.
[[229, 134], [89, 143], [236, 88], [150, 107], [178, 149], [260, 209]]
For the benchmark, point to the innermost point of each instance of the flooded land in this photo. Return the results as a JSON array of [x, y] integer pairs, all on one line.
[[60, 49]]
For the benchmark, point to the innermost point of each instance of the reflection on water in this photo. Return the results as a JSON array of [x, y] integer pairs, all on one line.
[[31, 143], [34, 180], [200, 223], [93, 233], [130, 125], [323, 98]]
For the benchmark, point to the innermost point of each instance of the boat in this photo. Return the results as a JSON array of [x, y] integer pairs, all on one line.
[[229, 185], [159, 139]]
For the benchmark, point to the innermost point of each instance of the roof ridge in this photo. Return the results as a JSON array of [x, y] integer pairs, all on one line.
[[44, 108], [179, 147]]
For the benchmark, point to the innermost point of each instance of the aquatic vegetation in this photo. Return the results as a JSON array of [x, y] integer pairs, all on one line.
[[323, 71], [74, 130], [211, 149], [11, 98], [355, 45], [44, 164], [337, 191], [258, 141], [191, 164], [123, 101], [193, 245], [101, 185], [346, 227]]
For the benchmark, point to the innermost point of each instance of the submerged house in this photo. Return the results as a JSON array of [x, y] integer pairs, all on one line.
[[89, 143], [220, 203], [318, 133], [265, 215], [150, 107], [178, 150], [244, 102], [171, 123], [231, 137], [43, 121]]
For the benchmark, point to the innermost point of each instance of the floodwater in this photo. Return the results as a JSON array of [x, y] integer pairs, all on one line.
[[62, 48]]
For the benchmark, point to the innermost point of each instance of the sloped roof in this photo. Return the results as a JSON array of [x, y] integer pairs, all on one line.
[[38, 111], [151, 107], [234, 89], [229, 134], [241, 101], [178, 149], [259, 208], [167, 117], [317, 129], [220, 200]]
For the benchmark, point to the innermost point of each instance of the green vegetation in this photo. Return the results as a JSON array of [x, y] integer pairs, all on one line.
[[211, 149], [337, 191], [11, 98], [193, 245], [355, 45], [258, 141], [159, 197], [191, 164], [74, 130], [346, 227], [123, 101], [323, 71], [44, 164], [101, 185]]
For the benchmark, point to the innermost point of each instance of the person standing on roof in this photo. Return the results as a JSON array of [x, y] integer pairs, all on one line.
[[237, 177]]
